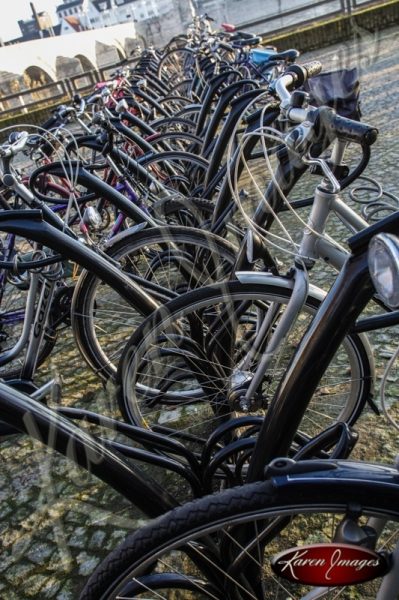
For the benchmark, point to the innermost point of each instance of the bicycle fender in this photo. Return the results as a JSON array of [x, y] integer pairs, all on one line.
[[262, 278]]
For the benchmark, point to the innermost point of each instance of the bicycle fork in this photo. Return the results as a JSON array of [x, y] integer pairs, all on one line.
[[282, 329]]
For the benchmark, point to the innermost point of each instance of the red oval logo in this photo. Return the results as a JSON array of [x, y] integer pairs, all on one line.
[[329, 564]]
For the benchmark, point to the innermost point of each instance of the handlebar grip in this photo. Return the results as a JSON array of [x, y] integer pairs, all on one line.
[[244, 35], [312, 68], [225, 46], [347, 129], [64, 112], [51, 122], [302, 73], [354, 131]]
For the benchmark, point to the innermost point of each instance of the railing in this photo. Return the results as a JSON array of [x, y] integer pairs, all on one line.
[[25, 101], [301, 12]]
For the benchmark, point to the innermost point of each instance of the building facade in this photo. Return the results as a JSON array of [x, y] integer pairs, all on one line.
[[81, 15]]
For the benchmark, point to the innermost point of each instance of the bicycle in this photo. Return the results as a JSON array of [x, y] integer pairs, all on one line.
[[292, 487], [222, 546], [155, 501]]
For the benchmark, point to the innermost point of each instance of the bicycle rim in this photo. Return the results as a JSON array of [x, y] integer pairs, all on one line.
[[191, 377]]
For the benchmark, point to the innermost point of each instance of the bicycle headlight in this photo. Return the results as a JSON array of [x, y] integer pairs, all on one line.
[[383, 259]]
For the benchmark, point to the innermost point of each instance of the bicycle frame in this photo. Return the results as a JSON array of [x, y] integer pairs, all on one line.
[[343, 304], [36, 420]]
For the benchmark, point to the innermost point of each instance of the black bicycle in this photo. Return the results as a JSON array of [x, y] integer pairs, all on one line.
[[224, 545]]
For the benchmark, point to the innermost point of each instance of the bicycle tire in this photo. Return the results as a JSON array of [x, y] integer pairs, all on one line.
[[178, 41], [147, 249], [174, 124], [179, 210], [174, 102], [14, 293], [192, 385], [176, 141], [183, 172], [176, 64], [201, 542]]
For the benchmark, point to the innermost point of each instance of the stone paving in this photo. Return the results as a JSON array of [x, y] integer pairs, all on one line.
[[56, 521]]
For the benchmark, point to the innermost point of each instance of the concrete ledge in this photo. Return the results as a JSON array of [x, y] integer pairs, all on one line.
[[337, 29]]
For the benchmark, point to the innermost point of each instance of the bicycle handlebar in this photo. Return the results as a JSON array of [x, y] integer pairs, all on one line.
[[7, 150], [327, 122], [295, 76]]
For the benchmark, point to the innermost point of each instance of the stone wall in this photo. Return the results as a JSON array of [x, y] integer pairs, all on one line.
[[338, 29]]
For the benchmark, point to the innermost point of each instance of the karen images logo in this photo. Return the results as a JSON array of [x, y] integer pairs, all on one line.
[[330, 564]]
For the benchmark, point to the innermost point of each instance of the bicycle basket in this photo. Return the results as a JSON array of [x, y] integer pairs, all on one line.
[[338, 89]]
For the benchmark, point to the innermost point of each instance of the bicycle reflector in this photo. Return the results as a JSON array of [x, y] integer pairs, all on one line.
[[383, 259]]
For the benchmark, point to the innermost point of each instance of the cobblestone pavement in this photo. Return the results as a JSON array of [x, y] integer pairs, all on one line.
[[58, 522]]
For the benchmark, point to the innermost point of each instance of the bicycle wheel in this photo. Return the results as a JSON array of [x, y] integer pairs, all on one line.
[[176, 65], [182, 172], [167, 261], [180, 210], [189, 364], [221, 546], [14, 294], [12, 317]]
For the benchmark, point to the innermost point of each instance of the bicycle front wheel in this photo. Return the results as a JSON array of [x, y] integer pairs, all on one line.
[[189, 364], [166, 261], [220, 547]]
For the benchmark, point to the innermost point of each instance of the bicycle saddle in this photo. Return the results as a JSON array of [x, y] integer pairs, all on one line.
[[261, 55]]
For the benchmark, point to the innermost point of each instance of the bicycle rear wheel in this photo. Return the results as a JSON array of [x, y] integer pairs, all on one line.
[[189, 364], [221, 546]]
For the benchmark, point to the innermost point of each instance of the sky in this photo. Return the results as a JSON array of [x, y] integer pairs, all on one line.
[[14, 10]]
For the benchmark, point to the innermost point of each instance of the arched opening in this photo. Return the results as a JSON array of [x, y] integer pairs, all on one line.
[[121, 52], [35, 77], [67, 67], [87, 65]]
